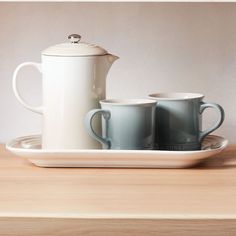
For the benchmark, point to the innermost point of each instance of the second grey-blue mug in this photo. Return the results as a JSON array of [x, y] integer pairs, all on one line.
[[127, 124], [179, 120]]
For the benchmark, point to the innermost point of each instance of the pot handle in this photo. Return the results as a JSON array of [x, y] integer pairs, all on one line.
[[38, 109]]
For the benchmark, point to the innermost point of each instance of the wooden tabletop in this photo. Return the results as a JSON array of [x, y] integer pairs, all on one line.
[[131, 202]]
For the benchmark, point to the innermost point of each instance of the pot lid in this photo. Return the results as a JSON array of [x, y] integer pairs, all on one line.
[[74, 48]]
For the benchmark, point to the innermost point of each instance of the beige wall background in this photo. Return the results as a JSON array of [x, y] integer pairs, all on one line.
[[162, 47]]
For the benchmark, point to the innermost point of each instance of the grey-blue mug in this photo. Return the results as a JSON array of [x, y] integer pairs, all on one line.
[[179, 120], [127, 124]]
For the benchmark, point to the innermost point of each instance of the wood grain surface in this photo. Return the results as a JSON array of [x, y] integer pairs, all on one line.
[[83, 201]]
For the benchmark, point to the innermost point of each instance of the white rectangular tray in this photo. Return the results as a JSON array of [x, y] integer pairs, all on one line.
[[29, 147]]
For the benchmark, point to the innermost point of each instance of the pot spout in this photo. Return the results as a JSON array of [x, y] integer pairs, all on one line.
[[107, 62], [112, 58]]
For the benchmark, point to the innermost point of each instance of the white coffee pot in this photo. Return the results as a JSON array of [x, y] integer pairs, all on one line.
[[73, 82]]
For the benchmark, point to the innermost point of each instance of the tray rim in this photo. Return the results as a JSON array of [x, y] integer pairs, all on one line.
[[103, 158], [10, 146]]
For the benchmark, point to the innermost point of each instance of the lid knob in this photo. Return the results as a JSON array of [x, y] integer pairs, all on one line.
[[74, 38]]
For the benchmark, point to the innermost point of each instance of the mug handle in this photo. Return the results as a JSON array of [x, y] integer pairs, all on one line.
[[88, 124], [15, 86], [220, 110]]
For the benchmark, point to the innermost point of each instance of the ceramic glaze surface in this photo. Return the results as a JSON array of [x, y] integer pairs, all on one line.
[[179, 121], [125, 126], [72, 85], [29, 147]]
